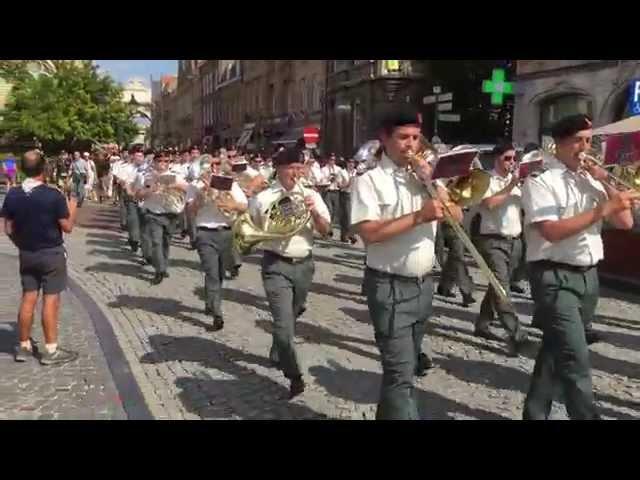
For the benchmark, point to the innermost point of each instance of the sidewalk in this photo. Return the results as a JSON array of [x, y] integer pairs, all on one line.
[[84, 389]]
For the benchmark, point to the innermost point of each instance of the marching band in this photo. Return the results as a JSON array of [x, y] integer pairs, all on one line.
[[396, 197]]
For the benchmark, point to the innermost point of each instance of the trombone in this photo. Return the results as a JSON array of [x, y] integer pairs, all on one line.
[[465, 191]]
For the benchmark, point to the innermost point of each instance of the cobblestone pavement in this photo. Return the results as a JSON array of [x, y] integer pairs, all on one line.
[[186, 372], [83, 389]]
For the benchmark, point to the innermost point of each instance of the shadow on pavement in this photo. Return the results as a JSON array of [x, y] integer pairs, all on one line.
[[488, 374], [348, 279], [119, 244], [334, 261], [105, 236], [621, 340], [314, 334], [247, 395], [335, 292], [359, 315], [618, 322], [184, 263], [127, 270], [115, 254], [614, 366], [240, 297], [161, 306], [8, 337], [363, 387]]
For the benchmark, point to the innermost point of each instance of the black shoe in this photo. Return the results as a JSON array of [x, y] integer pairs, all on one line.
[[593, 337], [517, 289], [444, 293], [235, 272], [301, 311], [218, 324], [467, 300], [157, 280], [515, 347], [144, 262], [484, 333], [353, 240], [297, 387], [165, 274], [134, 246], [424, 364], [183, 235]]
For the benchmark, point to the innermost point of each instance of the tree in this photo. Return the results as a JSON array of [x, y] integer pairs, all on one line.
[[70, 107]]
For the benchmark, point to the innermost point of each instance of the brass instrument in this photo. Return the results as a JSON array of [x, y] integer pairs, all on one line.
[[627, 177], [214, 196], [467, 190], [285, 217], [172, 198]]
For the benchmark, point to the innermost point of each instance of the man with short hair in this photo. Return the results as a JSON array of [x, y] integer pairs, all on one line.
[[35, 215], [564, 210], [397, 221], [79, 177], [287, 265]]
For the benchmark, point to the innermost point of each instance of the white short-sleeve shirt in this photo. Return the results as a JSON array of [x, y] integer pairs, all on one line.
[[506, 219], [299, 245], [556, 194], [327, 172], [209, 216], [387, 192]]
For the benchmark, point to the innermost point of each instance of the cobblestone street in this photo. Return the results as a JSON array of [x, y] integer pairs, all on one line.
[[186, 372]]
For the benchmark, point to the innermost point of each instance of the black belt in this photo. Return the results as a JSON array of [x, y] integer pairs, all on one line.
[[160, 214], [216, 229], [496, 236], [287, 259], [562, 266], [394, 276]]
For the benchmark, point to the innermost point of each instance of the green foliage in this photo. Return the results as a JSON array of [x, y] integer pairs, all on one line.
[[67, 109]]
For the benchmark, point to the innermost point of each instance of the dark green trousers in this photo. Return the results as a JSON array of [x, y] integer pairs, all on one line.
[[399, 308], [440, 250], [212, 246], [159, 229], [566, 301], [497, 253], [133, 218], [455, 271], [286, 285]]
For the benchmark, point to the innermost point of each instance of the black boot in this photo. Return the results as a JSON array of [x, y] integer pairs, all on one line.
[[297, 387], [467, 300], [218, 324], [134, 246], [444, 293], [592, 337], [157, 279], [424, 364]]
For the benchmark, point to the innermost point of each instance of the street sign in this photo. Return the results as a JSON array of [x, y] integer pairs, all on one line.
[[311, 135], [449, 117], [437, 90], [497, 86], [445, 97], [634, 97], [445, 107], [429, 100]]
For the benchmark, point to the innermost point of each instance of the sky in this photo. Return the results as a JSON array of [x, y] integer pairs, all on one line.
[[123, 70]]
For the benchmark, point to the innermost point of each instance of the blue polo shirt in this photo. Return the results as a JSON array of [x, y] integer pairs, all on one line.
[[35, 217]]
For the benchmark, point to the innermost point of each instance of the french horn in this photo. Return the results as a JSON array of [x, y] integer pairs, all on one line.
[[284, 218]]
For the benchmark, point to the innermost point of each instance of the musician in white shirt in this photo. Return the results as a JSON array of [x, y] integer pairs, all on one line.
[[331, 174], [163, 194], [213, 234], [345, 181]]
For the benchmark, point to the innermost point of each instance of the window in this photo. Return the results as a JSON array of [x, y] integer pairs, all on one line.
[[554, 109]]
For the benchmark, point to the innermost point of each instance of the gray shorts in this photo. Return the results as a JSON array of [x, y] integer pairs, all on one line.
[[44, 269]]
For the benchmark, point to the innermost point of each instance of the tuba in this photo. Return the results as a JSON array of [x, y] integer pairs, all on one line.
[[172, 198], [284, 218]]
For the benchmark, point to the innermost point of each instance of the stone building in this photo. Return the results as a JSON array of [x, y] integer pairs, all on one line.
[[546, 90]]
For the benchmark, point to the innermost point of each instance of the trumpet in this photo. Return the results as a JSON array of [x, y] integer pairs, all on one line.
[[466, 190], [627, 177]]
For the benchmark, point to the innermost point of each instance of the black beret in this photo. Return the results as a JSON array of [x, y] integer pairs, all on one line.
[[400, 115], [569, 126], [288, 156]]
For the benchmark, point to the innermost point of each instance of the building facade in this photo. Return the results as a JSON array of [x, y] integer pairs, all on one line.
[[547, 90], [137, 95], [164, 118]]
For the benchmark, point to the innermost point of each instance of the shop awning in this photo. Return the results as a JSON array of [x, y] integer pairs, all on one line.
[[628, 125], [290, 136], [295, 134]]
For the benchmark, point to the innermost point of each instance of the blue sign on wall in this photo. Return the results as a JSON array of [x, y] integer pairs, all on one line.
[[634, 97]]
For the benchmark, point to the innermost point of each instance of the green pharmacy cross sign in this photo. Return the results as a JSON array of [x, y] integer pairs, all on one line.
[[497, 87]]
